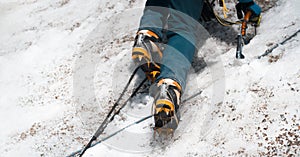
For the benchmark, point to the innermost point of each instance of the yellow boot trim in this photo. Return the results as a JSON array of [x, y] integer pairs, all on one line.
[[142, 50], [154, 73], [167, 111], [166, 102], [170, 82], [148, 33]]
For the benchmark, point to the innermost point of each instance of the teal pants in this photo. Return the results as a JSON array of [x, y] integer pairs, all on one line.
[[176, 22]]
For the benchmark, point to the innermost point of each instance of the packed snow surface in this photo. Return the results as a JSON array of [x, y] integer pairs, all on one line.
[[63, 63]]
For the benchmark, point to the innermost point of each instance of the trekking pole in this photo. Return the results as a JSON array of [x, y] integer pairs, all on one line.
[[241, 37], [75, 154], [268, 51], [110, 116]]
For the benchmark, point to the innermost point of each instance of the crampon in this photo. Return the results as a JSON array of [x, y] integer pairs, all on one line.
[[165, 124]]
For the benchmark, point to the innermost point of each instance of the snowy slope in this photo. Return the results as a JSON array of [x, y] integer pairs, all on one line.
[[63, 62]]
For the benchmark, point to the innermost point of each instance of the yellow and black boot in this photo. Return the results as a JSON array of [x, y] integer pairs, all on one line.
[[147, 54], [166, 106]]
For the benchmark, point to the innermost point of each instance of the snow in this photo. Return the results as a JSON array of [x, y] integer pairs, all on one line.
[[63, 63]]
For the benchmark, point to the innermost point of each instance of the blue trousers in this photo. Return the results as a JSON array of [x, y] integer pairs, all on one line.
[[176, 21]]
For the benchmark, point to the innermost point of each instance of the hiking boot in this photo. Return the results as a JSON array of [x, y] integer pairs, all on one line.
[[166, 107], [147, 54]]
